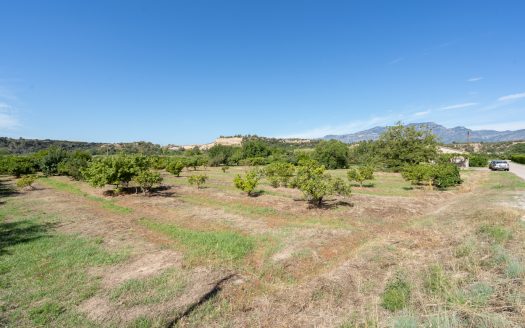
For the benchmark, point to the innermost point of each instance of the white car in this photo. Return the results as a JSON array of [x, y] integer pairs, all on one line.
[[499, 165]]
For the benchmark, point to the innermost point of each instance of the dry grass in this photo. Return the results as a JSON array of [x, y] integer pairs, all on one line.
[[459, 252]]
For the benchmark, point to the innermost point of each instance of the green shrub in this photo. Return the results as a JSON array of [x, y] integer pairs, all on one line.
[[225, 169], [496, 233], [26, 181], [518, 158], [315, 184], [74, 164], [51, 160], [361, 174], [478, 160], [18, 165], [397, 294], [146, 179], [249, 182], [175, 167], [114, 170], [197, 180], [436, 281], [332, 154], [279, 173], [433, 175]]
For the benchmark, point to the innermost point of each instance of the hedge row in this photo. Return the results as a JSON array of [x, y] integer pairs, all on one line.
[[518, 158]]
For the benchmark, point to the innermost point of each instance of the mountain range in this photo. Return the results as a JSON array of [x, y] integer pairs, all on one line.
[[458, 134]]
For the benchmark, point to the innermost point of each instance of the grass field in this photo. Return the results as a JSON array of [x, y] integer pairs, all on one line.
[[390, 255]]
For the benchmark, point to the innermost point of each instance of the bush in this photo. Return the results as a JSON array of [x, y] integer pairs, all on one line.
[[361, 174], [18, 165], [279, 173], [146, 179], [478, 160], [115, 170], [332, 154], [74, 164], [249, 182], [197, 180], [434, 175], [518, 158], [225, 169], [26, 181], [175, 167], [51, 160], [254, 161], [315, 184], [397, 294]]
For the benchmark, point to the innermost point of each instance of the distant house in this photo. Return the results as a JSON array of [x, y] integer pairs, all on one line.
[[460, 160]]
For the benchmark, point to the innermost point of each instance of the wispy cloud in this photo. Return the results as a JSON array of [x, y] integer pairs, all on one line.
[[512, 97], [422, 113], [457, 106], [475, 79], [397, 60]]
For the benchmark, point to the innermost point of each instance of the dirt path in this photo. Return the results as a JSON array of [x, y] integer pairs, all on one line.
[[518, 169]]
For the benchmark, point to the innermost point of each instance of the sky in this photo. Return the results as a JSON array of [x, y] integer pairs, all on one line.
[[188, 71]]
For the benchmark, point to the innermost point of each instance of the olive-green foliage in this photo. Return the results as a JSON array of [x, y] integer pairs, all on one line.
[[255, 147], [478, 160], [196, 161], [333, 154], [225, 169], [51, 159], [361, 174], [433, 175], [18, 165], [221, 154], [400, 145], [159, 162], [254, 161], [397, 294], [175, 166], [26, 181], [197, 180], [518, 158], [249, 182], [115, 170], [74, 164], [364, 153], [316, 184], [146, 179], [279, 173]]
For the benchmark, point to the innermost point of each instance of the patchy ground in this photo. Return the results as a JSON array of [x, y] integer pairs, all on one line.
[[389, 255]]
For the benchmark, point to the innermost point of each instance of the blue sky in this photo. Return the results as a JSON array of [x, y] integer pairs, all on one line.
[[188, 71]]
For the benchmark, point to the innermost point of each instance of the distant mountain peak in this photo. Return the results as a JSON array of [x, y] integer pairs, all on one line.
[[457, 134]]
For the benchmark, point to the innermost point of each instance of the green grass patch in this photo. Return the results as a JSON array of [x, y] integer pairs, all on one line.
[[151, 290], [43, 274], [67, 187], [218, 245], [397, 294], [436, 281], [495, 233]]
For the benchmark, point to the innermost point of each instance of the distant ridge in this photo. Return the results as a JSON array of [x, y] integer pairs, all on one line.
[[457, 134]]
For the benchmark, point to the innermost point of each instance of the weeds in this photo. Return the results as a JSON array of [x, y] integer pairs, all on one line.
[[397, 293], [219, 245]]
